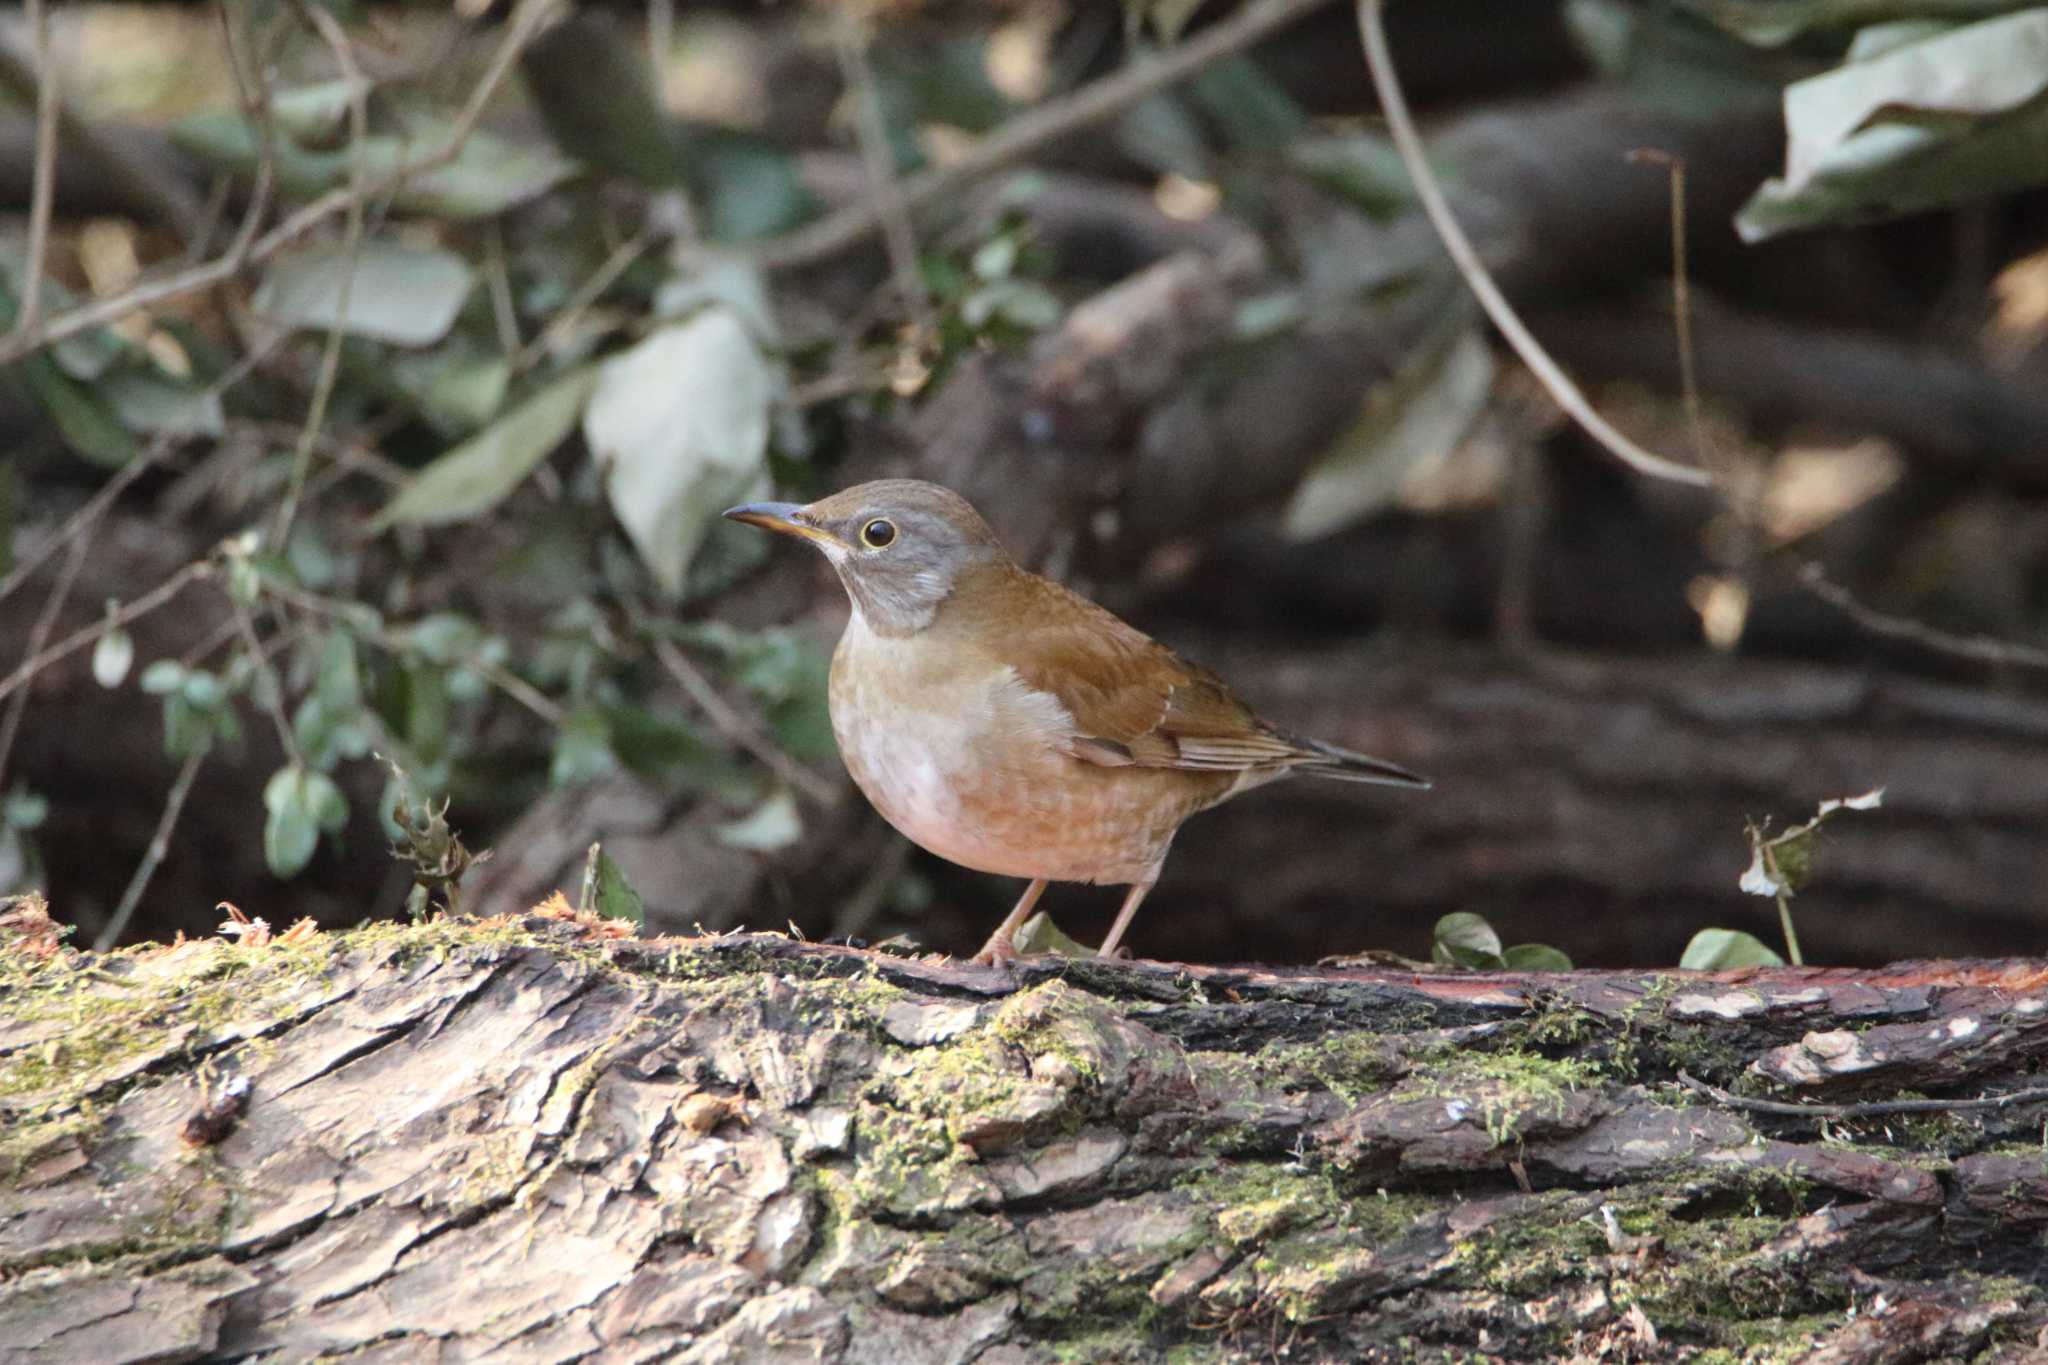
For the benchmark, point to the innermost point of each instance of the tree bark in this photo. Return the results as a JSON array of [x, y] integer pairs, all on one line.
[[524, 1140]]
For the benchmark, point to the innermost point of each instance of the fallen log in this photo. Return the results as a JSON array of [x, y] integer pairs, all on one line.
[[522, 1138]]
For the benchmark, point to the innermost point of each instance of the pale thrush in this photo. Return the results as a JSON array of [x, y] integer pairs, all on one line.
[[1012, 726]]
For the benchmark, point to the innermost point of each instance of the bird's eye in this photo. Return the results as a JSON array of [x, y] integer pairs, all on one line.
[[878, 534]]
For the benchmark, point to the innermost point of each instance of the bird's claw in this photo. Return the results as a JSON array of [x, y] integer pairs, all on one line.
[[997, 954]]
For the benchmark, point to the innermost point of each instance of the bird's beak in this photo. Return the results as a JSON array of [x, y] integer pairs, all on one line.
[[785, 517]]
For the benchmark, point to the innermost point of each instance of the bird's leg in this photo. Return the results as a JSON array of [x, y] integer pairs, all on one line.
[[1132, 899], [999, 947]]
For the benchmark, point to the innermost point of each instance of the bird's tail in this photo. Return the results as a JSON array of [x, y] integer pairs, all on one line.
[[1327, 760]]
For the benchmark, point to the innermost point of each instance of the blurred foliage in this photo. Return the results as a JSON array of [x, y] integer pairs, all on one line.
[[549, 378], [506, 316]]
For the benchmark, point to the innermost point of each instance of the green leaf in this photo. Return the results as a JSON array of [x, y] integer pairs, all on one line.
[[445, 637], [487, 177], [85, 421], [324, 799], [165, 675], [1362, 167], [1783, 863], [1771, 23], [616, 898], [339, 683], [425, 710], [750, 187], [596, 94], [1040, 935], [1422, 410], [317, 116], [679, 423], [462, 397], [292, 830], [1958, 116], [152, 401], [202, 689], [658, 743], [1024, 304], [582, 749], [1718, 949], [1255, 111], [24, 809], [477, 475], [112, 657], [1669, 60], [1463, 939], [1535, 957], [774, 824], [1161, 134], [405, 295]]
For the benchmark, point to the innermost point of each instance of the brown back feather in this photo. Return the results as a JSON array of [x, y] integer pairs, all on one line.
[[1134, 702]]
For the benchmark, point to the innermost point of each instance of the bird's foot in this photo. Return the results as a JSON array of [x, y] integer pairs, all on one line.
[[1117, 954], [997, 952]]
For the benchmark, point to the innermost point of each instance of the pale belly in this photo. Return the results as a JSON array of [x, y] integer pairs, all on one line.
[[971, 770]]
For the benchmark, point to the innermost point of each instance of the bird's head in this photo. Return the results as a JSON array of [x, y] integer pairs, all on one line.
[[900, 545]]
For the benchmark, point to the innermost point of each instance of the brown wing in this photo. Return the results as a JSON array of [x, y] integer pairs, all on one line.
[[1134, 702]]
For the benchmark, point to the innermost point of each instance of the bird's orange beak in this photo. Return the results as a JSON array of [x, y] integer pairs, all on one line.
[[785, 517]]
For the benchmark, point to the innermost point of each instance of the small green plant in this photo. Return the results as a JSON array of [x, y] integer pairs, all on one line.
[[1780, 865], [423, 838], [607, 892], [1463, 939]]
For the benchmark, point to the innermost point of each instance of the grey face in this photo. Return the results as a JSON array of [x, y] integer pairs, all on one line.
[[900, 562], [900, 545]]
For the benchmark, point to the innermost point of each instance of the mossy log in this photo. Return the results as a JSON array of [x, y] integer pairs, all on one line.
[[519, 1139]]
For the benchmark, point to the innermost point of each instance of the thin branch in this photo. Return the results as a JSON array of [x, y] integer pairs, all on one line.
[[252, 92], [153, 856], [850, 45], [735, 727], [270, 689], [587, 293], [1978, 648], [79, 639], [46, 621], [1567, 395], [498, 272], [525, 22], [1091, 104], [43, 184], [393, 642], [337, 42], [1871, 1110], [1681, 301], [81, 522]]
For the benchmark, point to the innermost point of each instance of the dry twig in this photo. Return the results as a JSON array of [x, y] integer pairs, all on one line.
[[731, 724], [1409, 143], [43, 182], [1869, 1110], [1055, 119], [38, 660], [1977, 648], [850, 45], [46, 621], [153, 856], [519, 31], [337, 42]]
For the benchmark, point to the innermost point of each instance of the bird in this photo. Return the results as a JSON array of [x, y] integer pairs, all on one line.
[[1006, 723]]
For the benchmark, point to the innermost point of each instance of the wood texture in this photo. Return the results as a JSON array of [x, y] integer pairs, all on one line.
[[518, 1140]]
